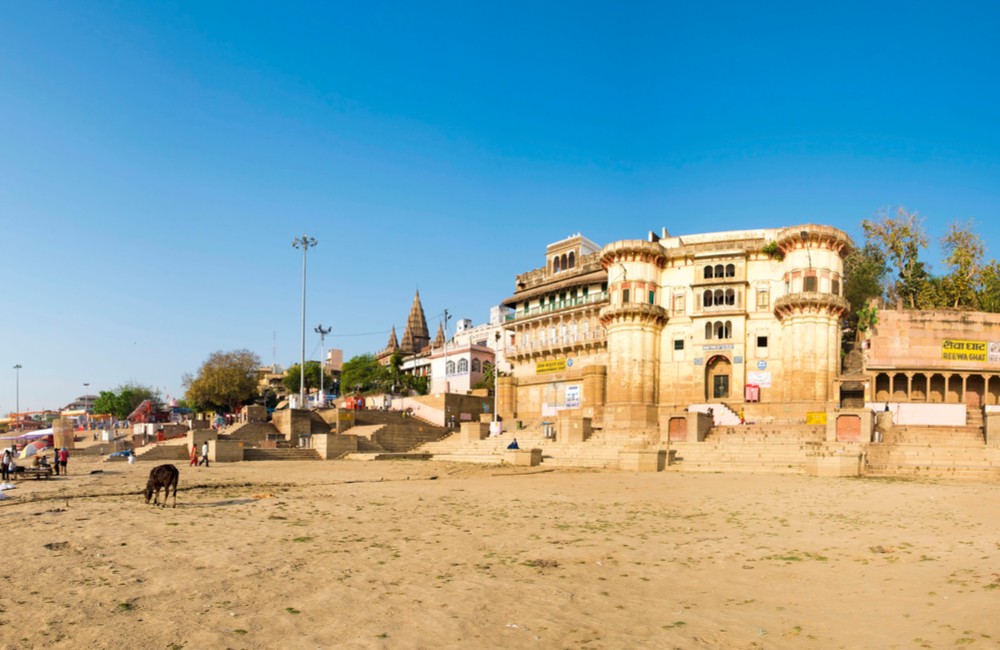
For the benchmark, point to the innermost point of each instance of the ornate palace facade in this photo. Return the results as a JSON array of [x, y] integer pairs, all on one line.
[[632, 331]]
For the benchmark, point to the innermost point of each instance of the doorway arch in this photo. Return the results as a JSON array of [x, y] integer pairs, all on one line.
[[718, 378]]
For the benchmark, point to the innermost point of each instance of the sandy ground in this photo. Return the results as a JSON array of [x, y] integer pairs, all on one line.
[[433, 555]]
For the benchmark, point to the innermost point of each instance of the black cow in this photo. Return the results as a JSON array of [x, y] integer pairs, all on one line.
[[162, 476]]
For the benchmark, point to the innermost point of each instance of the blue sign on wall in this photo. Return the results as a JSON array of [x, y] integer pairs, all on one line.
[[761, 365]]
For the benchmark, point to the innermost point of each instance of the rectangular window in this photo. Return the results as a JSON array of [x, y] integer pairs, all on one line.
[[585, 289], [836, 288], [624, 296], [810, 283], [763, 299], [679, 344], [762, 347], [652, 297], [679, 304]]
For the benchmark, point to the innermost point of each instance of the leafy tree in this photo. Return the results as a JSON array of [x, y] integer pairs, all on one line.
[[989, 287], [417, 383], [363, 373], [225, 380], [122, 400], [292, 378], [900, 237], [864, 275], [964, 256]]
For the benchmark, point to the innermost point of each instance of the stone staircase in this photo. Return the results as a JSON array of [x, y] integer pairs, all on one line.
[[250, 431], [281, 453], [392, 432], [755, 449], [597, 452], [935, 452]]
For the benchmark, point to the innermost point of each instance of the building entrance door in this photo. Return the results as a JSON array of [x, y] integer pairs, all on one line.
[[718, 373]]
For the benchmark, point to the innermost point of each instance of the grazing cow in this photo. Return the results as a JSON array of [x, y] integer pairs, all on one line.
[[162, 476]]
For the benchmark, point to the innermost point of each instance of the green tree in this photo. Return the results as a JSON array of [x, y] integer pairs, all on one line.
[[900, 237], [964, 256], [864, 277], [124, 399], [363, 373], [292, 379], [989, 287], [225, 380]]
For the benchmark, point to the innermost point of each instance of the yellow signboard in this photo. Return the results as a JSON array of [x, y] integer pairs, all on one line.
[[543, 367], [960, 350], [815, 417]]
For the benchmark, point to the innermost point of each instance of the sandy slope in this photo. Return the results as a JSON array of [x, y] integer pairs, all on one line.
[[370, 555]]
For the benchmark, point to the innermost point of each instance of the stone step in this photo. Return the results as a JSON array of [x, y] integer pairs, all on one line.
[[252, 454]]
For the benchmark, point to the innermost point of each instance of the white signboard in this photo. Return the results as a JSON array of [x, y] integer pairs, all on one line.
[[762, 379], [573, 396]]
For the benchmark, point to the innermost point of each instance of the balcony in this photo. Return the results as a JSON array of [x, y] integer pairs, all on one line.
[[565, 343], [570, 303]]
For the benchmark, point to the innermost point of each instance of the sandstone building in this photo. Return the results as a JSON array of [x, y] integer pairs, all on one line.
[[632, 331]]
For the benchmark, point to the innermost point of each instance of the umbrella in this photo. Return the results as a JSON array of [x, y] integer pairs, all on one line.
[[33, 448]]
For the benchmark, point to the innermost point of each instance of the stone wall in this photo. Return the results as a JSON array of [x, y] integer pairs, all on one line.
[[915, 340]]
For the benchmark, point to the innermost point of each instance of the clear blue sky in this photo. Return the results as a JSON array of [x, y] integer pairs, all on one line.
[[157, 159]]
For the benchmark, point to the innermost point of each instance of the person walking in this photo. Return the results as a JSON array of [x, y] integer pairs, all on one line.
[[5, 462], [63, 457], [204, 454], [194, 455]]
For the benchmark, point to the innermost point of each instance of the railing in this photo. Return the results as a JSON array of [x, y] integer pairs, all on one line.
[[568, 340], [558, 306]]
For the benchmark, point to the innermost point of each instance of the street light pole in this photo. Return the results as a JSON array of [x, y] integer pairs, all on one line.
[[446, 351], [17, 382], [496, 384], [304, 242], [86, 402], [322, 360]]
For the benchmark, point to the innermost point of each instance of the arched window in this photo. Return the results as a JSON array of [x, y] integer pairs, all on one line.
[[555, 264], [706, 299], [463, 366], [727, 331], [449, 368], [730, 271], [720, 331], [719, 271], [719, 297], [564, 262], [708, 331], [475, 365], [708, 272], [730, 297], [572, 259]]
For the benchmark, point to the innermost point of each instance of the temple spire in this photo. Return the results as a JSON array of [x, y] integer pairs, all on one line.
[[415, 336], [439, 339], [393, 343]]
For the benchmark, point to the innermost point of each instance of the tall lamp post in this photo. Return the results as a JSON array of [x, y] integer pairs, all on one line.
[[322, 360], [17, 383], [304, 242], [86, 404], [496, 383]]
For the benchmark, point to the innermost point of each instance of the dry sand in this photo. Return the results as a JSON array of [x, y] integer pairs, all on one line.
[[384, 555]]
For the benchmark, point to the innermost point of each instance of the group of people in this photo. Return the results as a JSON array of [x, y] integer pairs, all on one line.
[[8, 464], [194, 455]]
